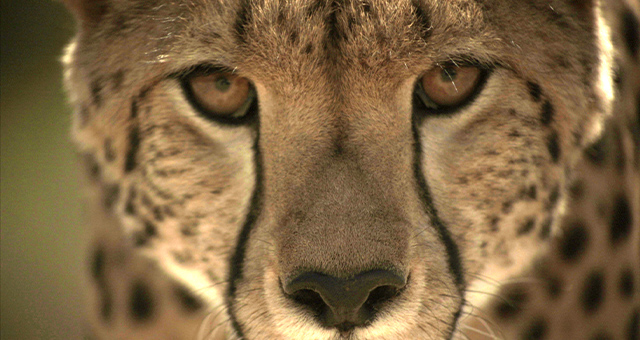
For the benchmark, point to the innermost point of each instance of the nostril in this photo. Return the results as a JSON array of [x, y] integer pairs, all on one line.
[[344, 303], [312, 300], [381, 295]]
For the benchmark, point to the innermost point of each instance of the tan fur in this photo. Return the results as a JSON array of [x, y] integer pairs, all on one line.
[[333, 188]]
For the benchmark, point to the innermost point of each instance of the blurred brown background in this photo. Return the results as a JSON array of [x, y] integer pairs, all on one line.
[[41, 240]]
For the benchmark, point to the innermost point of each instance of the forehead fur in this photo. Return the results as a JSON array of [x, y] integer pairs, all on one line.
[[263, 38]]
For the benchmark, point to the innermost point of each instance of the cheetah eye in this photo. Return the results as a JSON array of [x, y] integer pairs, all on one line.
[[449, 86], [219, 95]]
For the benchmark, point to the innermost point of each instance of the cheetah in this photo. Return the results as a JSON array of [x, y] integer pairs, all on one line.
[[359, 169]]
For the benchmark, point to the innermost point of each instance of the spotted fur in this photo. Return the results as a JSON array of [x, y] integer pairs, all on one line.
[[515, 217]]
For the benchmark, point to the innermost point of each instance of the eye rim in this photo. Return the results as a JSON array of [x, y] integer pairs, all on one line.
[[250, 106], [420, 97]]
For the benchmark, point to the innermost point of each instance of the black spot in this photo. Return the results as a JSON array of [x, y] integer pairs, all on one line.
[[532, 193], [577, 135], [132, 154], [98, 264], [493, 222], [626, 283], [109, 153], [111, 193], [190, 302], [168, 211], [633, 327], [134, 108], [92, 166], [242, 20], [536, 331], [366, 7], [631, 32], [106, 305], [157, 214], [140, 239], [527, 226], [293, 37], [282, 18], [129, 206], [593, 292], [554, 287], [534, 90], [573, 241], [335, 33], [308, 49], [547, 113], [422, 19], [117, 79], [512, 302], [596, 152], [576, 189], [620, 220], [146, 201], [141, 302], [507, 206], [143, 237], [150, 229], [554, 147], [553, 198], [189, 229], [545, 229], [96, 92], [602, 335]]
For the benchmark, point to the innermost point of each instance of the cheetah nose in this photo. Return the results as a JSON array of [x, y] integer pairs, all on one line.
[[345, 303]]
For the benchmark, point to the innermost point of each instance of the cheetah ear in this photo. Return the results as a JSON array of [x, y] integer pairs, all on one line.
[[88, 11]]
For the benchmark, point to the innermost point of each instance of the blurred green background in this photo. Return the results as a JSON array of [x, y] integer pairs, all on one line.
[[41, 239]]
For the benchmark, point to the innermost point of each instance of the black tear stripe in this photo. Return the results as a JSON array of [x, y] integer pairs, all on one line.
[[236, 261], [453, 253], [134, 144], [131, 157]]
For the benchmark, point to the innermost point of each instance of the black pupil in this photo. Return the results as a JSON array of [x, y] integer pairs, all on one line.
[[449, 74], [223, 84]]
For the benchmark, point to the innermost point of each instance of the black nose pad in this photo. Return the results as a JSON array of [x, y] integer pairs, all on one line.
[[345, 303]]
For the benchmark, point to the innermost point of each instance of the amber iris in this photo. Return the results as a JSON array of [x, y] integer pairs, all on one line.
[[450, 85], [221, 93]]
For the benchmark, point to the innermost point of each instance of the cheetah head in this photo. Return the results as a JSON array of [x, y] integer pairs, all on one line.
[[336, 169]]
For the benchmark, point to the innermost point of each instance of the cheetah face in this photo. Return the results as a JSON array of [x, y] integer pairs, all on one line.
[[336, 169]]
